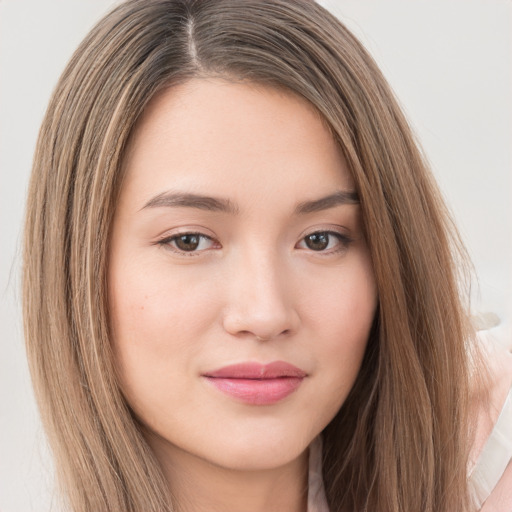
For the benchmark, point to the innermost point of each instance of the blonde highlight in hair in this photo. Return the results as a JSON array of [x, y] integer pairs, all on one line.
[[400, 441]]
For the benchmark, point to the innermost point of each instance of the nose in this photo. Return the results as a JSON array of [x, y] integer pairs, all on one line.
[[261, 302]]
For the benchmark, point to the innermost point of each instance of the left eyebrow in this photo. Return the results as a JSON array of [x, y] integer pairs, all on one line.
[[324, 203], [186, 200]]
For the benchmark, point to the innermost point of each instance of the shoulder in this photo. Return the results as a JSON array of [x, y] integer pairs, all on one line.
[[491, 466]]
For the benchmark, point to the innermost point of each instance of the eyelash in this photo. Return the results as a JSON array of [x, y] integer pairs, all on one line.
[[170, 241], [343, 241]]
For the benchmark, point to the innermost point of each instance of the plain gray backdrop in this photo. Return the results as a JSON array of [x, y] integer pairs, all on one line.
[[449, 62]]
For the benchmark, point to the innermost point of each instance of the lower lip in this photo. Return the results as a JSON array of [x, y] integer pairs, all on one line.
[[257, 391]]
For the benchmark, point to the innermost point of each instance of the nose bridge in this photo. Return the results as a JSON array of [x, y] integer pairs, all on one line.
[[260, 301]]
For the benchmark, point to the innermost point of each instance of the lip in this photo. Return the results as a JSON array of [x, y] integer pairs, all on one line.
[[255, 383]]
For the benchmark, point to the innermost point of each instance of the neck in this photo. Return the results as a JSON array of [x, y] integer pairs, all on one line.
[[200, 486]]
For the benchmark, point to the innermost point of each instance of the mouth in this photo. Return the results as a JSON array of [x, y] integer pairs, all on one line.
[[255, 383]]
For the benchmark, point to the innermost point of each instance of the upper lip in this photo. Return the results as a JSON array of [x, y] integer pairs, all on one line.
[[251, 370]]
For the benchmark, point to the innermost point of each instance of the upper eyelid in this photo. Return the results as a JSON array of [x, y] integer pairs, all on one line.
[[343, 236], [336, 231], [329, 231], [169, 238], [166, 242], [187, 230]]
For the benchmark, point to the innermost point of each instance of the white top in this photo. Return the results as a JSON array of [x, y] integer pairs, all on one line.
[[494, 459], [317, 501]]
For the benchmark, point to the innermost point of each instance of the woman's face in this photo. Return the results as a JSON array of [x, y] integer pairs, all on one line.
[[240, 284]]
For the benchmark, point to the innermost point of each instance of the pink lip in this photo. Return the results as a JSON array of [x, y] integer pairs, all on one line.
[[257, 384]]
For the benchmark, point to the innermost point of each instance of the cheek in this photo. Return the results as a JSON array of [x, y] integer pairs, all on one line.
[[158, 322], [151, 303], [343, 301], [341, 315]]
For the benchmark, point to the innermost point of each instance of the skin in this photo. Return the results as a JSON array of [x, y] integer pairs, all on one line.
[[254, 288]]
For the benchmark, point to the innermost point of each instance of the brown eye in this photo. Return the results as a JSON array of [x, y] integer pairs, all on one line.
[[329, 242], [188, 242], [317, 241]]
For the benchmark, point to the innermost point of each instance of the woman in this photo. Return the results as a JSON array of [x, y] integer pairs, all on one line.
[[245, 274]]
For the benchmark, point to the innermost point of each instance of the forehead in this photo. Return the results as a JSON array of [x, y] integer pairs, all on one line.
[[226, 137]]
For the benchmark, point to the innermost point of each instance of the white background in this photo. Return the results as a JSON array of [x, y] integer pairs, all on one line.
[[449, 62]]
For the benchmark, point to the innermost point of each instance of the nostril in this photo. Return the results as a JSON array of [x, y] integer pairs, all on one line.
[[259, 320], [269, 337]]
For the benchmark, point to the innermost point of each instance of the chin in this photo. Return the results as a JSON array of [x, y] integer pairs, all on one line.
[[259, 452]]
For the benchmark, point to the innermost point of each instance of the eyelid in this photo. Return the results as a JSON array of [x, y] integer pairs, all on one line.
[[188, 229], [344, 239], [165, 240]]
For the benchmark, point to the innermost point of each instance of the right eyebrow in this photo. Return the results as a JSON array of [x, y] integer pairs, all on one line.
[[188, 200]]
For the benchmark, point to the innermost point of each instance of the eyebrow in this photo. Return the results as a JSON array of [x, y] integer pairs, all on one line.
[[186, 200], [324, 203], [213, 204]]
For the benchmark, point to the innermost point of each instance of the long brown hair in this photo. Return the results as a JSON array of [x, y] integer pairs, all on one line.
[[400, 441]]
